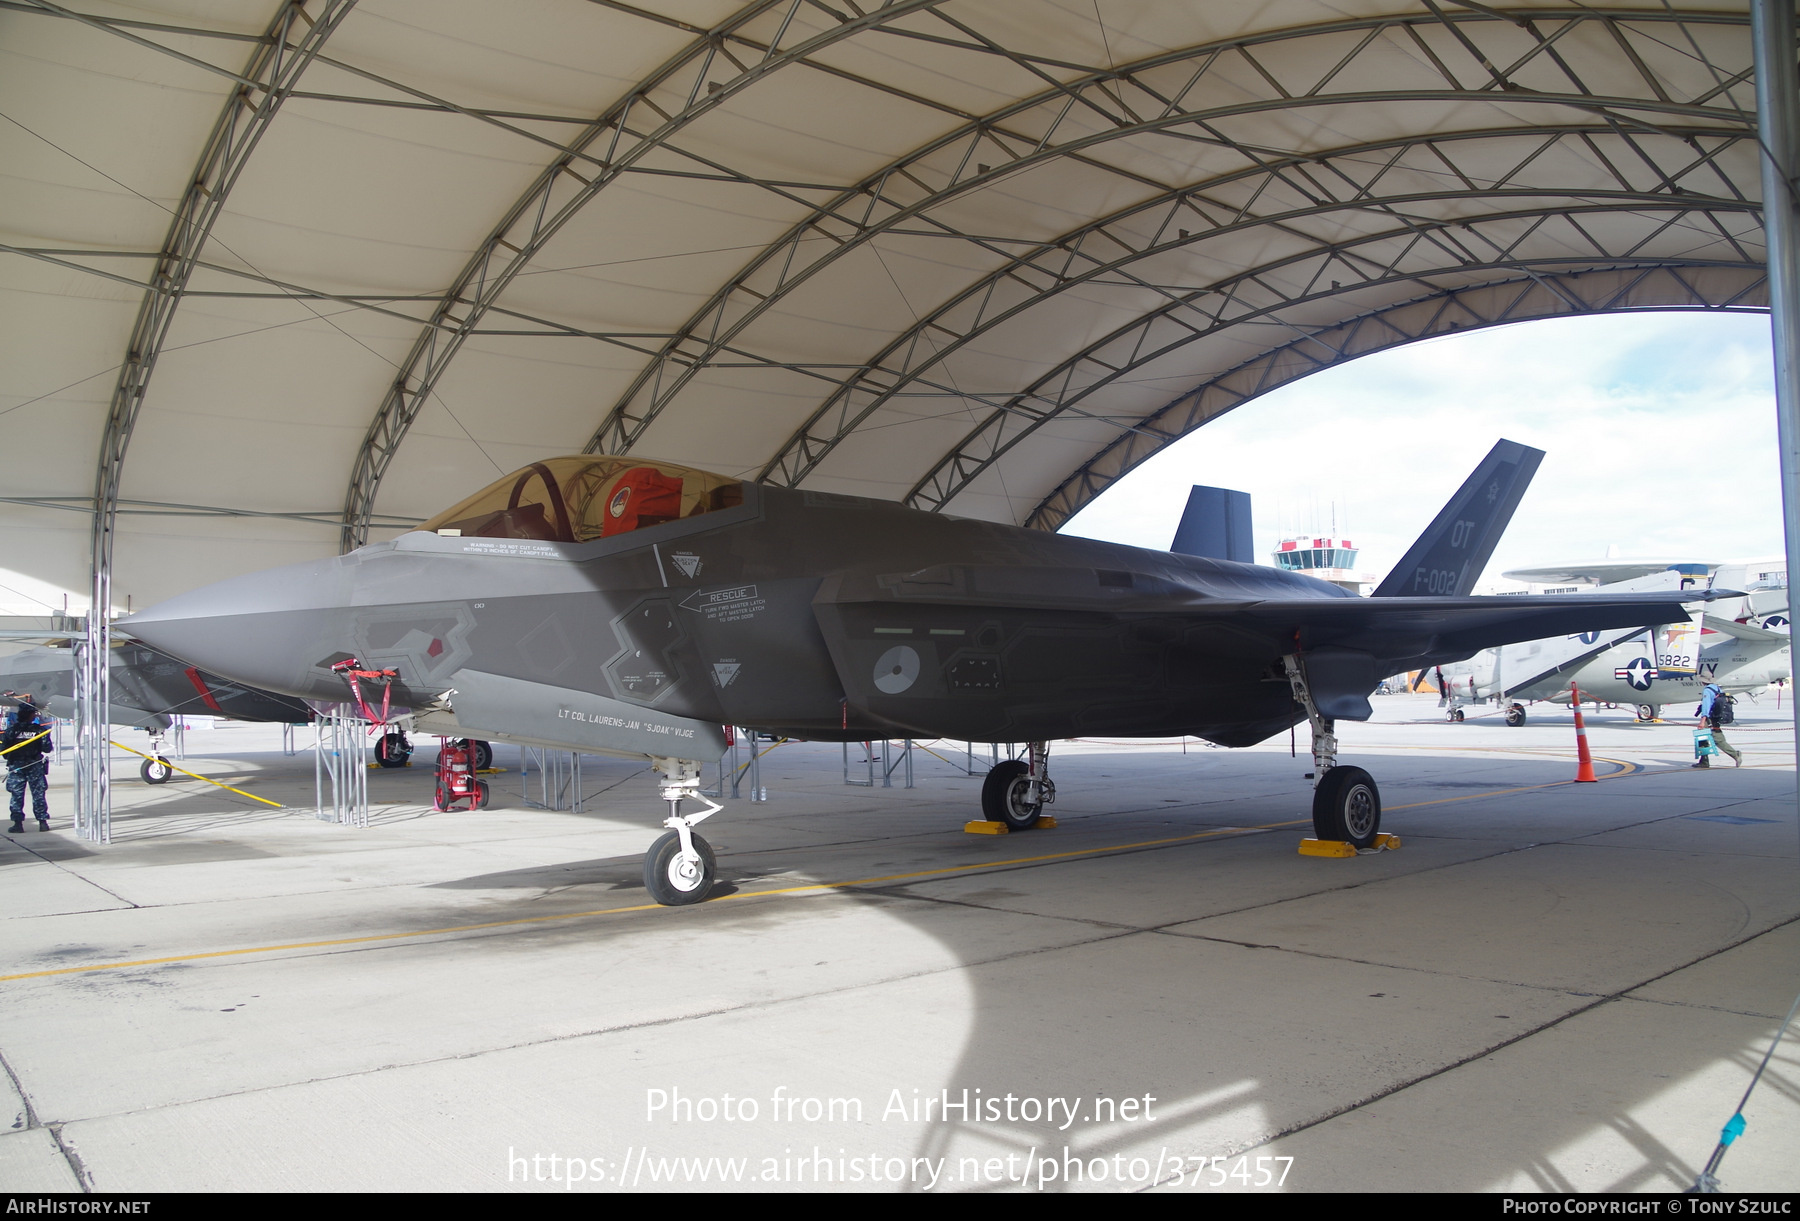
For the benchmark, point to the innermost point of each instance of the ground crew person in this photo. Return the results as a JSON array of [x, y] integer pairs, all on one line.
[[1712, 704], [26, 765]]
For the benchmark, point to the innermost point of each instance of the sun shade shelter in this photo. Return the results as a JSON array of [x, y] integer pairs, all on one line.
[[283, 278]]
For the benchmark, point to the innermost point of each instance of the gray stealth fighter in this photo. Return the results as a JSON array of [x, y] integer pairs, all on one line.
[[629, 606]]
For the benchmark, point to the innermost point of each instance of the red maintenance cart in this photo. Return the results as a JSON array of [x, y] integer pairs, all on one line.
[[456, 779]]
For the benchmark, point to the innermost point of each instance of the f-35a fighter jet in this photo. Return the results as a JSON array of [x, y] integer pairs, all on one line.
[[629, 606]]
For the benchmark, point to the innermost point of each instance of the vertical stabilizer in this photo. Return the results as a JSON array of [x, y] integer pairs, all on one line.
[[1448, 558], [1216, 524]]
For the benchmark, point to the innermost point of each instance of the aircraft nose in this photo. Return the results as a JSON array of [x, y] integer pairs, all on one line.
[[266, 629]]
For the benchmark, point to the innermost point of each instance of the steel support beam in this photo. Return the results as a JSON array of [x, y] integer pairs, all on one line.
[[1411, 249], [1719, 287], [988, 149], [691, 84], [293, 38], [1778, 127]]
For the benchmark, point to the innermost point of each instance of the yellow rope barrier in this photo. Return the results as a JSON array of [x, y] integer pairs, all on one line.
[[184, 771], [27, 742]]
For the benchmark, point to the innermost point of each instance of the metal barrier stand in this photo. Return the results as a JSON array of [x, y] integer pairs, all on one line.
[[341, 764]]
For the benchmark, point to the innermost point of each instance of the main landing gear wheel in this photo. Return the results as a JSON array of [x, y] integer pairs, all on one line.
[[1347, 807], [484, 755], [1005, 796], [1515, 716], [393, 750], [673, 881], [1646, 712], [1456, 716], [156, 771]]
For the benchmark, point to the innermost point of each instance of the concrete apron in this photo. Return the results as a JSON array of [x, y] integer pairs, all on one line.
[[1556, 988]]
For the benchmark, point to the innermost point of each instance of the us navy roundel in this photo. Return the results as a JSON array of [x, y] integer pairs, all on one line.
[[1638, 672]]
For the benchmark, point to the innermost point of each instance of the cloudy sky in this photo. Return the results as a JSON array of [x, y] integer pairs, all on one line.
[[1658, 428]]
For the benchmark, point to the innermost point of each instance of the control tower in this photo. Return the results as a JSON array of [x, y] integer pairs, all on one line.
[[1328, 559]]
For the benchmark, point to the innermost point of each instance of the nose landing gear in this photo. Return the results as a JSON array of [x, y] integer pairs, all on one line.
[[679, 868], [155, 769]]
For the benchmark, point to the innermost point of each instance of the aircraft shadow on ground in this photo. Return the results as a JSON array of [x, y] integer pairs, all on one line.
[[1237, 1042]]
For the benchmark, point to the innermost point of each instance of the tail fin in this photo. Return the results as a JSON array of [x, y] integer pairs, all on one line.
[[1448, 558], [1215, 524]]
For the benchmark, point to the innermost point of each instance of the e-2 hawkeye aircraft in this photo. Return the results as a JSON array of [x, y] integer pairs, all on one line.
[[1643, 667], [629, 606]]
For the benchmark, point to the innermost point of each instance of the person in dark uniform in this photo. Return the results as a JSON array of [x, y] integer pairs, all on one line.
[[26, 742]]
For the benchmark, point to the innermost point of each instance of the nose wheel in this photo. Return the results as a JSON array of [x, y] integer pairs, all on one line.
[[393, 749], [155, 769], [679, 868], [675, 878]]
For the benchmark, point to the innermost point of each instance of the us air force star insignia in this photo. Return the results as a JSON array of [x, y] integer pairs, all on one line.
[[1638, 672]]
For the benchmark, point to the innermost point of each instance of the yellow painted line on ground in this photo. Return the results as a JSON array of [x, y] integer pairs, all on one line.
[[617, 911], [196, 775], [1627, 769]]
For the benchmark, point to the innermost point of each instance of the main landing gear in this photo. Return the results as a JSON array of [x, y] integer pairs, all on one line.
[[1515, 715], [1646, 713], [679, 868], [1016, 791], [1346, 803]]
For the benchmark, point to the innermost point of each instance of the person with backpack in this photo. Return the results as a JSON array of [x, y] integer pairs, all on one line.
[[25, 743], [1715, 710]]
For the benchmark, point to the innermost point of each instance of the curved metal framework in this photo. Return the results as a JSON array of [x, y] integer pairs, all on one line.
[[1638, 130], [1410, 249], [1712, 287], [1410, 156], [681, 91], [287, 47], [1375, 262]]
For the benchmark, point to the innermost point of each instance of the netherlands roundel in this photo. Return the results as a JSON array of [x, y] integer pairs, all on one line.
[[619, 501]]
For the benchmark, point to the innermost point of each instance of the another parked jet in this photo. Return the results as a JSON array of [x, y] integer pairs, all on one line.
[[630, 606], [148, 689]]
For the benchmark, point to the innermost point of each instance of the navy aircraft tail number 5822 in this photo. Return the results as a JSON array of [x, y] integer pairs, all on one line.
[[630, 606]]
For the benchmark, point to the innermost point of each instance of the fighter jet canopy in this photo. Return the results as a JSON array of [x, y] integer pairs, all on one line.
[[587, 496]]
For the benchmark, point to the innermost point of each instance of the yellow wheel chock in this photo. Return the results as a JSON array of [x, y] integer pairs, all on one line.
[[1341, 848]]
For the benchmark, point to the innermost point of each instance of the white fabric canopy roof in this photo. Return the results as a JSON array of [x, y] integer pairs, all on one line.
[[291, 276]]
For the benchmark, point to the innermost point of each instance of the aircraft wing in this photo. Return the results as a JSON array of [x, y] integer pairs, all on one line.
[[1346, 643], [1432, 631], [1753, 636]]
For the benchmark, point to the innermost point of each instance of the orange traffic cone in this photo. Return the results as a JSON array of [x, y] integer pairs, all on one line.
[[1584, 766]]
